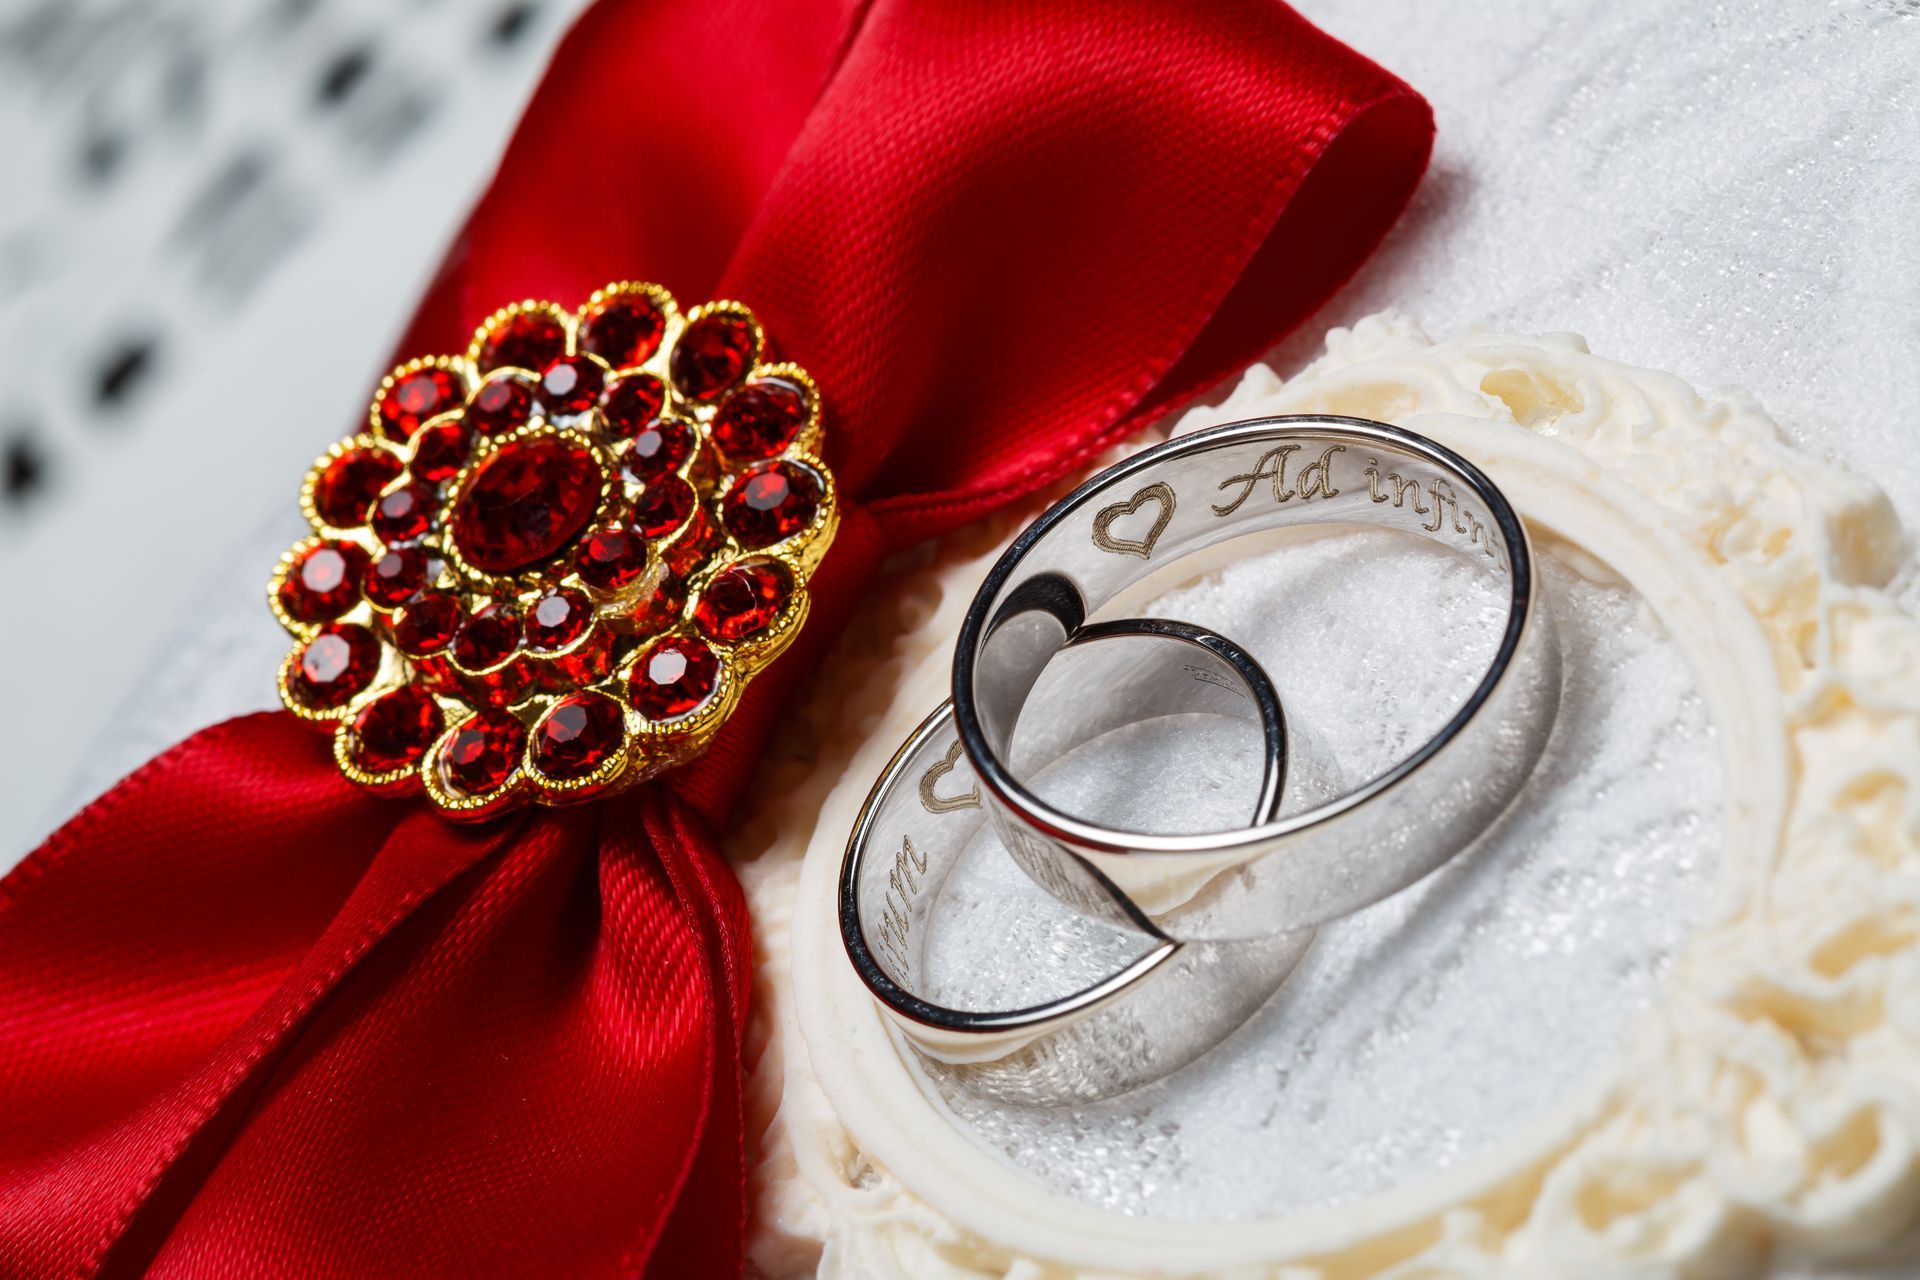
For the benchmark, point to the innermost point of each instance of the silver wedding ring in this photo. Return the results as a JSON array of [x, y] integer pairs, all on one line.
[[1196, 492], [1222, 915], [1153, 1014]]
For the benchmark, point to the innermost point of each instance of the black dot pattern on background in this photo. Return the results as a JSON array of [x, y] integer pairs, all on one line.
[[513, 22], [23, 468], [122, 372]]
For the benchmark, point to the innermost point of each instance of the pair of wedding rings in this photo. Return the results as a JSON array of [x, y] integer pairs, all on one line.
[[1222, 916]]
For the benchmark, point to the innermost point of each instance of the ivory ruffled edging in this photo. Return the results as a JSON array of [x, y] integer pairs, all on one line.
[[1768, 1105]]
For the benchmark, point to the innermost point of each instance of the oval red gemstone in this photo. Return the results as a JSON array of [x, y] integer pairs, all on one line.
[[415, 397], [488, 638], [743, 601], [760, 419], [502, 403], [427, 625], [391, 580], [557, 619], [483, 753], [337, 664], [771, 502], [663, 506], [578, 735], [673, 677], [403, 514], [712, 354], [524, 340], [633, 403], [572, 385], [440, 450], [393, 731], [623, 330], [350, 483], [526, 503], [610, 559], [324, 581], [658, 449]]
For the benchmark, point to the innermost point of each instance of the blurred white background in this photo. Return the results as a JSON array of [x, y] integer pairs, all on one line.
[[215, 215]]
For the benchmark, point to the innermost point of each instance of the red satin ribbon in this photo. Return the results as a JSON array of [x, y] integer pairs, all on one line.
[[253, 1022]]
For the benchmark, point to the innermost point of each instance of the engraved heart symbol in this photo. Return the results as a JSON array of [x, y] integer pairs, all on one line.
[[1103, 538], [938, 803]]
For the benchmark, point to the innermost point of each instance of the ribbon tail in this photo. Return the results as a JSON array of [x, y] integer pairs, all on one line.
[[705, 1234], [160, 951], [261, 1024]]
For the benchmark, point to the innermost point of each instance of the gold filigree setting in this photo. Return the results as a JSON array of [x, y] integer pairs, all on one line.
[[550, 566]]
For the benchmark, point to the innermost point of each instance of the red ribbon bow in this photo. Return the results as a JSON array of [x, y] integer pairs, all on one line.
[[254, 1022]]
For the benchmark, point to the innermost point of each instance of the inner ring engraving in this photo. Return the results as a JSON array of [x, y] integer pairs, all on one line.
[[1258, 475]]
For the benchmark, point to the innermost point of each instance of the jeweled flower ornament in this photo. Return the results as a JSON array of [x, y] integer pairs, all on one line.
[[551, 565]]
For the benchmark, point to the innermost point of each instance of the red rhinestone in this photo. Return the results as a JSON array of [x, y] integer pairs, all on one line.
[[557, 619], [624, 330], [404, 513], [526, 503], [483, 753], [525, 340], [502, 403], [337, 664], [415, 397], [663, 506], [440, 450], [744, 600], [760, 419], [658, 449], [578, 735], [351, 481], [712, 354], [392, 579], [427, 625], [572, 385], [393, 731], [633, 403], [324, 581], [771, 502], [610, 559], [487, 639], [673, 677]]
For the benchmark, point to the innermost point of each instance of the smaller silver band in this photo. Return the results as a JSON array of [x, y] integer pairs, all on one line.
[[1195, 492], [1171, 1003]]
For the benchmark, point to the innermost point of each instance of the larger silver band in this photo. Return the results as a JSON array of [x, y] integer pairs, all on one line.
[[1192, 493], [1171, 1003]]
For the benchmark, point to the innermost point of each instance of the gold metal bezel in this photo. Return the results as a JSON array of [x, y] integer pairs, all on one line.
[[664, 302], [526, 306], [310, 507], [612, 494], [459, 804], [458, 367], [725, 307], [393, 782], [613, 767]]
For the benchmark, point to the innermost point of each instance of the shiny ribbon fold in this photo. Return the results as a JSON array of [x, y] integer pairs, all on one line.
[[255, 1022]]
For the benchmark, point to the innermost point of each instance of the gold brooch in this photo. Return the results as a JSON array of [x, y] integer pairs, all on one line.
[[550, 565]]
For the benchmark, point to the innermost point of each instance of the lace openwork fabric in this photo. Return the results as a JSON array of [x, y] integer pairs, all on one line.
[[1665, 1020]]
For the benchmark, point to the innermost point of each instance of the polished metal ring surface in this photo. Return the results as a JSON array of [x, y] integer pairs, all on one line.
[[1195, 492], [1155, 1013]]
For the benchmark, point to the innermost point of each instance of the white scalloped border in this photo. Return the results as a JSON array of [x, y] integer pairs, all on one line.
[[1771, 1098]]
